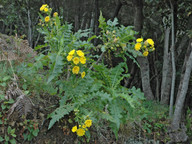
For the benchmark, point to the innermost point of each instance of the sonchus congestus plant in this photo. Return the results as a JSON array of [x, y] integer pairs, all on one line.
[[94, 94]]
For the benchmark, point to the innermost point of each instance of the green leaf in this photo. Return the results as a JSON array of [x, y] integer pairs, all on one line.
[[6, 78], [13, 131], [102, 23], [13, 141], [115, 111], [3, 84], [114, 23], [9, 130], [13, 135], [25, 135], [1, 139], [56, 66], [59, 113], [41, 46], [89, 39], [6, 138], [103, 48], [35, 132]]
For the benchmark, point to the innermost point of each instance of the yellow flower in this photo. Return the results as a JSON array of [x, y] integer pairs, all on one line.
[[75, 70], [69, 57], [74, 129], [138, 46], [88, 123], [80, 53], [145, 53], [83, 74], [84, 126], [150, 41], [83, 60], [43, 7], [72, 52], [76, 60], [55, 14], [153, 49], [47, 19], [80, 132], [139, 40], [46, 9]]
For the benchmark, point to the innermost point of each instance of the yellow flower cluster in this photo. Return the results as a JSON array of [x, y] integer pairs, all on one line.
[[82, 129], [77, 57], [146, 46], [45, 8]]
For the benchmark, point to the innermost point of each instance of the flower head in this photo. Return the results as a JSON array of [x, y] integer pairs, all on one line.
[[76, 60], [83, 60], [80, 132], [138, 46], [83, 74], [74, 129], [43, 7], [55, 14], [150, 41], [139, 40], [71, 52], [80, 53], [75, 70], [145, 53], [88, 123], [47, 18], [46, 9], [84, 126], [69, 57]]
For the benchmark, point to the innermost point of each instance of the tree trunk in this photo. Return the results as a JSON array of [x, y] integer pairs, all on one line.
[[166, 72], [179, 132], [143, 61], [172, 61], [144, 67], [117, 9]]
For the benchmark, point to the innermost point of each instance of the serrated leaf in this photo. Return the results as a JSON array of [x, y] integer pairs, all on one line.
[[113, 23], [60, 113], [56, 66], [102, 23], [115, 112]]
